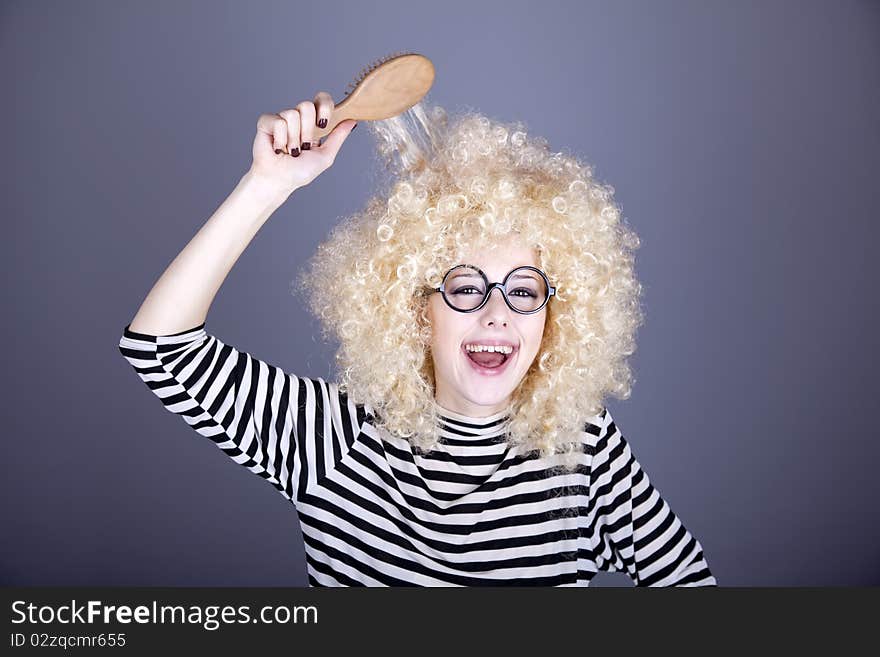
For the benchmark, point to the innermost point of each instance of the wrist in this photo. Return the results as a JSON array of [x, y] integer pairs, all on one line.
[[262, 190]]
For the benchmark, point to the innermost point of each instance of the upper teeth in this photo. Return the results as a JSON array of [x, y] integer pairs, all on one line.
[[503, 349]]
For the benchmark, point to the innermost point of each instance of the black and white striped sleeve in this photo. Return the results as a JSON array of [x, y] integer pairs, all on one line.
[[287, 429], [635, 531]]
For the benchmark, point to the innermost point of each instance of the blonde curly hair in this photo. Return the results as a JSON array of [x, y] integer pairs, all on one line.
[[476, 181]]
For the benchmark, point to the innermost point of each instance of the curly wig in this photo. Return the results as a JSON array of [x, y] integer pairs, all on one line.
[[474, 181]]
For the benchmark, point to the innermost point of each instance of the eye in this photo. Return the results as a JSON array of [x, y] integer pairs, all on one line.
[[468, 287], [526, 292]]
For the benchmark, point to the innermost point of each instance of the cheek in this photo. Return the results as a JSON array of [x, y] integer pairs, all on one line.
[[535, 332], [447, 332], [443, 337]]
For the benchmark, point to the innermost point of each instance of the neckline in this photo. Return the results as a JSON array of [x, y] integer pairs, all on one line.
[[479, 424]]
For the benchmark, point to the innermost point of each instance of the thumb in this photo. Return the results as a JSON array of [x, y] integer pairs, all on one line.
[[333, 142]]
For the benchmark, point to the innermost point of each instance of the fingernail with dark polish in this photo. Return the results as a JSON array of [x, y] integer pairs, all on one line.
[[322, 123], [306, 145], [295, 152], [277, 151]]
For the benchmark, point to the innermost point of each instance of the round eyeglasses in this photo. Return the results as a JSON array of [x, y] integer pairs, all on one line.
[[465, 288]]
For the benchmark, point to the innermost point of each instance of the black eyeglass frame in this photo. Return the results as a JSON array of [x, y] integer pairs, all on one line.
[[551, 291]]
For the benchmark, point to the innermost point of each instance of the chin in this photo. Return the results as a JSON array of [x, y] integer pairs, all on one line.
[[490, 393]]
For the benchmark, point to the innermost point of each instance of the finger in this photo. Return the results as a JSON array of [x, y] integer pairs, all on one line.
[[272, 131], [333, 141], [324, 107], [306, 111], [292, 118]]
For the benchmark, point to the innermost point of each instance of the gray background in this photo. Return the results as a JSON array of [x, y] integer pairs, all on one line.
[[742, 140]]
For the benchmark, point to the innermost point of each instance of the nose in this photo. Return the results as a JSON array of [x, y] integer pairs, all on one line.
[[496, 311]]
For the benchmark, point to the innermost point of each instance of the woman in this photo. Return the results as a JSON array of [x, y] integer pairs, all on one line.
[[466, 442]]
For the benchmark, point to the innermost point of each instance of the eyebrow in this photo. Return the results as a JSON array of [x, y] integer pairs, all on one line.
[[473, 274]]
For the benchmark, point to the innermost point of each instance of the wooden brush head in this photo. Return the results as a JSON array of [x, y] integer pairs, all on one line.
[[387, 87]]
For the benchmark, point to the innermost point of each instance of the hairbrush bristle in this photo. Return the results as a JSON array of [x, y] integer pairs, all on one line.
[[368, 69]]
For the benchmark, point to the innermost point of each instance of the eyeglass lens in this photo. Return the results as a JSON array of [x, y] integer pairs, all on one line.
[[466, 288]]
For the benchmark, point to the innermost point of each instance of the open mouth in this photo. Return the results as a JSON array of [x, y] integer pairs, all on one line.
[[489, 363]]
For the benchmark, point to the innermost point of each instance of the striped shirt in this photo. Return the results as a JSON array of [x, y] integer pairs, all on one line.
[[375, 512]]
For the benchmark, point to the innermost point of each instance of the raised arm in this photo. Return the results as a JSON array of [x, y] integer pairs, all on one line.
[[181, 297], [284, 428], [283, 160]]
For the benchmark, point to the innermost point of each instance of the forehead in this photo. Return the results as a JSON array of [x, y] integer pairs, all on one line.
[[500, 257]]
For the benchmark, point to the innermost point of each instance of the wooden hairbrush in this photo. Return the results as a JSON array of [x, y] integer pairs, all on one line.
[[386, 88]]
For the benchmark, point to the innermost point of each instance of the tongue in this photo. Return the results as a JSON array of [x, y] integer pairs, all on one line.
[[487, 358]]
